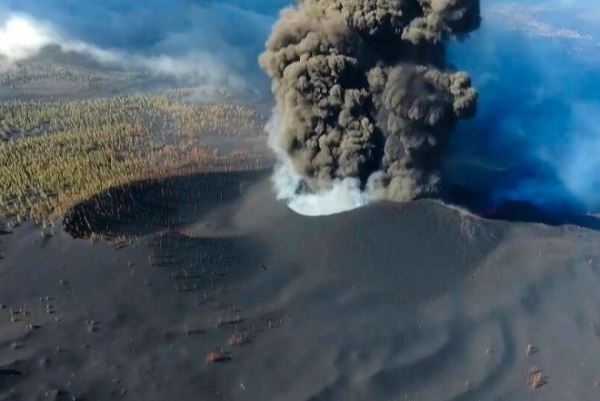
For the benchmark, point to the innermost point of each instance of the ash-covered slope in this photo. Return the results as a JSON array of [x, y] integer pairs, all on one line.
[[416, 301]]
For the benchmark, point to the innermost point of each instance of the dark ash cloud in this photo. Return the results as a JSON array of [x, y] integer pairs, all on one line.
[[364, 91]]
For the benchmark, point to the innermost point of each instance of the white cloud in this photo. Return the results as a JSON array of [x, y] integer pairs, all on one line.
[[22, 36]]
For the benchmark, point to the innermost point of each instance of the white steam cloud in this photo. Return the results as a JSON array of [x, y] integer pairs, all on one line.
[[341, 196]]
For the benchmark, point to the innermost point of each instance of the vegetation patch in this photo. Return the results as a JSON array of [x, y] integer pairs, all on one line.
[[56, 154]]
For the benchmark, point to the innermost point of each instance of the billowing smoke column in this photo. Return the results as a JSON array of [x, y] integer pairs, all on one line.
[[365, 99]]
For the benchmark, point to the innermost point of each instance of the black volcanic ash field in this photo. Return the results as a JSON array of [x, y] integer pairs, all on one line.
[[417, 302]]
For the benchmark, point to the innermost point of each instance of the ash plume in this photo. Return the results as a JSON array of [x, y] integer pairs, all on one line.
[[364, 95]]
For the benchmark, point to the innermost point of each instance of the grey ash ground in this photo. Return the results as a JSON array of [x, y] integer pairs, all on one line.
[[233, 297]]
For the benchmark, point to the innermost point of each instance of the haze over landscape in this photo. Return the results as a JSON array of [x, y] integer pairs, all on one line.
[[314, 200]]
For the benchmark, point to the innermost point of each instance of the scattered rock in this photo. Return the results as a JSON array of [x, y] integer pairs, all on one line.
[[531, 349], [238, 339], [44, 362], [229, 320], [191, 331], [217, 356], [56, 395], [536, 378], [46, 234], [92, 326]]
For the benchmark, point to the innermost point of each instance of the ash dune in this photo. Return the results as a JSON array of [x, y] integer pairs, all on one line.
[[416, 301]]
